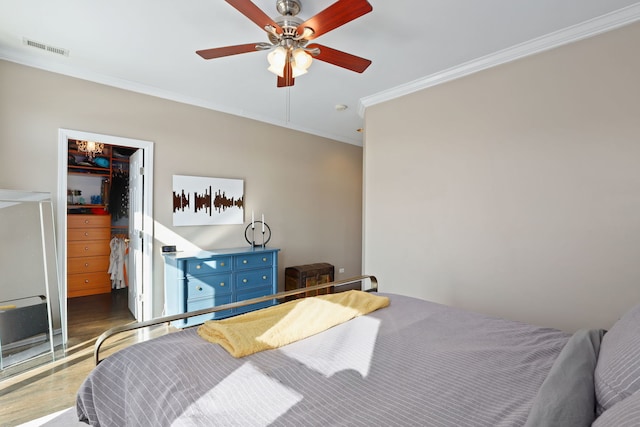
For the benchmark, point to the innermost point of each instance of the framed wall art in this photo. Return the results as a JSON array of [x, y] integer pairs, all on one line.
[[207, 201]]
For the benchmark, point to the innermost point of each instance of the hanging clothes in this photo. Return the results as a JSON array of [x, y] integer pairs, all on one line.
[[118, 262]]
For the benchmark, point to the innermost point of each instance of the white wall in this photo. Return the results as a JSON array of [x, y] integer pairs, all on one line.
[[308, 187], [514, 191]]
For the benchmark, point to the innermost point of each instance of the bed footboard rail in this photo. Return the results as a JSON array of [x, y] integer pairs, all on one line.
[[373, 287]]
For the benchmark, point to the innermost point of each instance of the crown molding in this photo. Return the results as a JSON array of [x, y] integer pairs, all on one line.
[[562, 37]]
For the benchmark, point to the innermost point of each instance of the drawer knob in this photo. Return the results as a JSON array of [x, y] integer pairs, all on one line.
[[86, 280], [221, 283], [86, 234], [222, 264], [264, 259], [244, 261], [198, 267], [244, 280], [198, 288], [86, 264], [86, 221], [264, 277], [86, 248]]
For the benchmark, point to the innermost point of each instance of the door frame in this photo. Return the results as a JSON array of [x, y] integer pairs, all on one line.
[[147, 208]]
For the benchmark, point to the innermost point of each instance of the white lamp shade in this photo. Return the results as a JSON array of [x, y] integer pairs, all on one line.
[[277, 71], [302, 59], [297, 71], [277, 58]]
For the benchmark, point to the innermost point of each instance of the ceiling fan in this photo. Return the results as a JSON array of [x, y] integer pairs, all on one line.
[[290, 54]]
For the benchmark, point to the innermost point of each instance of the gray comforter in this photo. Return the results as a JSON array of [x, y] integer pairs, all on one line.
[[412, 363]]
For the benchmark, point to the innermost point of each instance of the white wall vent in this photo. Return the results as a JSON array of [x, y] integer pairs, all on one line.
[[43, 46]]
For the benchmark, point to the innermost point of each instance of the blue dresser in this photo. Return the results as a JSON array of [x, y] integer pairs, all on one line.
[[197, 280]]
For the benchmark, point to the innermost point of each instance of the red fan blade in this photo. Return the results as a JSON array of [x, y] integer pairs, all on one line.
[[219, 52], [341, 59], [334, 16], [288, 79], [253, 12]]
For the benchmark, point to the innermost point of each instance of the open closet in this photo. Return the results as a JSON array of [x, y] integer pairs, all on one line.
[[97, 217]]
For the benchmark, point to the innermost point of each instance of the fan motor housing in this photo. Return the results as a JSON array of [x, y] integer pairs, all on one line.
[[289, 25], [288, 7]]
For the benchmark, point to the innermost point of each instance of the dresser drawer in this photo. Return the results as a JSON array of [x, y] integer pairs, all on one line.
[[88, 284], [253, 260], [81, 265], [205, 286], [88, 221], [200, 267], [88, 248], [202, 303], [254, 293], [246, 280], [83, 234]]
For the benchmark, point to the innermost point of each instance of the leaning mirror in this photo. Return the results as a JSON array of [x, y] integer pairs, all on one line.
[[29, 308]]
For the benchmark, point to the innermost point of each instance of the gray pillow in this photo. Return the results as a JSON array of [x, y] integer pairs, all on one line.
[[617, 374], [623, 414], [566, 396]]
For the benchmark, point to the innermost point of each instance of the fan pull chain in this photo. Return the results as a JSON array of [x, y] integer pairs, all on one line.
[[288, 105]]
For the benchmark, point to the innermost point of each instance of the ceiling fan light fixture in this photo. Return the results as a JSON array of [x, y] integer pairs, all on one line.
[[277, 58], [301, 59], [297, 71], [277, 71], [307, 32]]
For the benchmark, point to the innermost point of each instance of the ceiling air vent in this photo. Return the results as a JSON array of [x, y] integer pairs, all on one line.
[[42, 46]]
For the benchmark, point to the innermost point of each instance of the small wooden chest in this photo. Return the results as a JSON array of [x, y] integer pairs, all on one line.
[[302, 276]]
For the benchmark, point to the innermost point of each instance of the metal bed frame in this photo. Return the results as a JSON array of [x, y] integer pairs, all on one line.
[[279, 296]]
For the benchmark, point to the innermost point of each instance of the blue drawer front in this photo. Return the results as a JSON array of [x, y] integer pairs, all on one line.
[[200, 267], [255, 293], [199, 304], [246, 280], [254, 260], [205, 286]]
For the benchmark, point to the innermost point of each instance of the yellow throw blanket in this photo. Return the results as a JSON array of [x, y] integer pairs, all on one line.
[[283, 324]]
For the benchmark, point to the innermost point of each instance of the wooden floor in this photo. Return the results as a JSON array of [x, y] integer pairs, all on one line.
[[52, 387]]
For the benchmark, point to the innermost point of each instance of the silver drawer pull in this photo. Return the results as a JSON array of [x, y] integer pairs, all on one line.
[[244, 261], [264, 259], [244, 280], [222, 264], [198, 267], [221, 283], [264, 277]]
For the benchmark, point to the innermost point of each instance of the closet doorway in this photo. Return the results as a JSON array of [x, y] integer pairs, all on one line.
[[105, 225]]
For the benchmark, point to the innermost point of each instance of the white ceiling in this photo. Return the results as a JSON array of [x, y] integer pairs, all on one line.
[[149, 46]]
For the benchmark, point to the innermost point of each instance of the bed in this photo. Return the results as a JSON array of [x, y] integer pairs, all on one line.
[[413, 362]]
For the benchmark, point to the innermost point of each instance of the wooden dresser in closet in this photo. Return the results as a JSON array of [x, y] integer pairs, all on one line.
[[88, 251]]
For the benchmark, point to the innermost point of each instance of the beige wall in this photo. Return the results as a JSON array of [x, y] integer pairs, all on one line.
[[309, 188], [514, 191]]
